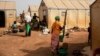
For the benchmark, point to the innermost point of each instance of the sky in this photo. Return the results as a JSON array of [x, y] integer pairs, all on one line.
[[23, 4]]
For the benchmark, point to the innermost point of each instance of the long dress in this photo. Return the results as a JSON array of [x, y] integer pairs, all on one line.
[[55, 36], [28, 29], [27, 24]]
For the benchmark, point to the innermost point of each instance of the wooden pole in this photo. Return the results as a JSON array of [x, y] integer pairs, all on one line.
[[64, 23], [65, 26]]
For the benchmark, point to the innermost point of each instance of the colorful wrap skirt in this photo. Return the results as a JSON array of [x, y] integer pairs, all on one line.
[[54, 42]]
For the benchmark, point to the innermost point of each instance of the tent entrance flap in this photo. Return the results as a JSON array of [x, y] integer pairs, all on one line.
[[2, 19]]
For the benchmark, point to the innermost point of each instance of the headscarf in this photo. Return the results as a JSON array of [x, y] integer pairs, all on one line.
[[57, 18]]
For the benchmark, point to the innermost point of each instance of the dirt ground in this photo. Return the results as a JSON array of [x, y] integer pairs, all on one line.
[[36, 45]]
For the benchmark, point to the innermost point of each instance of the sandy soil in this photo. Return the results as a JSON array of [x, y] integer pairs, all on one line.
[[36, 45]]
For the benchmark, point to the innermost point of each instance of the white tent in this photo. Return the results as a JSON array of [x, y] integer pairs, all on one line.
[[7, 12], [33, 9], [77, 12]]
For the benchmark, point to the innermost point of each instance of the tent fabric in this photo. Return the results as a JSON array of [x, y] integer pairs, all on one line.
[[59, 4], [7, 5], [76, 4], [9, 8], [79, 18], [77, 12], [49, 3], [67, 4], [72, 20], [34, 8], [91, 2], [85, 3]]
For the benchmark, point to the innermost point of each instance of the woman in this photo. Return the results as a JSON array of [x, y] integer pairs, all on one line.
[[89, 36], [56, 28], [14, 27], [35, 23], [28, 24]]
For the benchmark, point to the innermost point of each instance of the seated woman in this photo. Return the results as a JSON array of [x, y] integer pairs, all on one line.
[[14, 27], [20, 26]]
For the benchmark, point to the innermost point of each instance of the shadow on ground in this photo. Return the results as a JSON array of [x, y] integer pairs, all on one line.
[[42, 51], [72, 47], [45, 51]]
